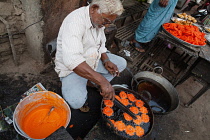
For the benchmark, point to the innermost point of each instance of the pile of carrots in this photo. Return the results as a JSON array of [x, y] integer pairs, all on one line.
[[136, 106], [187, 33]]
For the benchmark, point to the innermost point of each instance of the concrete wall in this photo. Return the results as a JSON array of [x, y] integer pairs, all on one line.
[[34, 34], [45, 18], [11, 11]]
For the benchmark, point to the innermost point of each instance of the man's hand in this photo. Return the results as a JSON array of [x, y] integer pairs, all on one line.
[[84, 70], [163, 3], [107, 91], [112, 68]]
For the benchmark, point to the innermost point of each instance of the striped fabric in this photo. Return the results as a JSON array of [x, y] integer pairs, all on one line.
[[78, 41]]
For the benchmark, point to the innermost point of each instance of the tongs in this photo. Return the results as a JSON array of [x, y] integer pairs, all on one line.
[[120, 105], [124, 108]]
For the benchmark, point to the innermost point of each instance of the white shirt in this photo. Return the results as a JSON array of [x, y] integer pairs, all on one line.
[[78, 41]]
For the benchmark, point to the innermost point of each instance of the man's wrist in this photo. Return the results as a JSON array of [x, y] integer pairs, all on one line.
[[106, 60]]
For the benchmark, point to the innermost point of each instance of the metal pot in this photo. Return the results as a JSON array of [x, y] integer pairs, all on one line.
[[118, 115], [169, 97]]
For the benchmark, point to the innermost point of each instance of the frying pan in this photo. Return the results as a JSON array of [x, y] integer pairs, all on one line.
[[118, 115], [168, 90]]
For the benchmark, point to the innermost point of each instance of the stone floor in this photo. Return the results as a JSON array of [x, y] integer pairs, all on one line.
[[183, 123]]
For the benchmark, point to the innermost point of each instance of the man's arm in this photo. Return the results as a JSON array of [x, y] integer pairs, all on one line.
[[111, 67], [84, 70]]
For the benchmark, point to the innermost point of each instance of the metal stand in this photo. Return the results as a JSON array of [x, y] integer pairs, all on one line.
[[174, 57], [199, 70], [198, 95]]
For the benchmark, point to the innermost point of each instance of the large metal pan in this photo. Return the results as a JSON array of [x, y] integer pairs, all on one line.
[[168, 96], [118, 115], [181, 41]]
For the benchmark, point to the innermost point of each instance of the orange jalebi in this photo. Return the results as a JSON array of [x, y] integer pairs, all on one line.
[[135, 110], [139, 131], [117, 97], [119, 125], [143, 110], [188, 33], [131, 97], [108, 103], [123, 95], [125, 102], [130, 130], [108, 111], [127, 117], [138, 120], [139, 103], [112, 121], [145, 118]]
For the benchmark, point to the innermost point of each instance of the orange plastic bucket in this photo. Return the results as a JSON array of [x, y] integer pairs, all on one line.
[[40, 114]]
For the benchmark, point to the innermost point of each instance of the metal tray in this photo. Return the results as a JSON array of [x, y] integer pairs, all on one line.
[[179, 40], [173, 18], [208, 38], [207, 29]]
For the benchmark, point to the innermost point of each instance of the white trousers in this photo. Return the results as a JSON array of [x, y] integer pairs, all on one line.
[[74, 86]]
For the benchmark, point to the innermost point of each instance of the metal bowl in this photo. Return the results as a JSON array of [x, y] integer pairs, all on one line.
[[179, 40]]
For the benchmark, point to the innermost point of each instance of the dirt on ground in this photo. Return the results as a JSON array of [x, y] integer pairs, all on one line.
[[182, 123], [190, 123]]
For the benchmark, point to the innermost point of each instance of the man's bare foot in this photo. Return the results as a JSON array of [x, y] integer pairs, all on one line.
[[137, 46]]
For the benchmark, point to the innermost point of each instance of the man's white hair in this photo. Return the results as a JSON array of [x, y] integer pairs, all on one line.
[[109, 6]]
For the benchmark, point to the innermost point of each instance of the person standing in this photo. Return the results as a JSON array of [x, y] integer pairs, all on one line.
[[159, 12]]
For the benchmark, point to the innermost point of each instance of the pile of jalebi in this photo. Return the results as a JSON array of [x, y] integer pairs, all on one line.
[[133, 126], [188, 33]]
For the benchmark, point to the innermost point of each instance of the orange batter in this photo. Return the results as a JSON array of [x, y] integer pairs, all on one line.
[[44, 115], [42, 121]]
